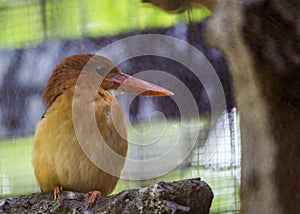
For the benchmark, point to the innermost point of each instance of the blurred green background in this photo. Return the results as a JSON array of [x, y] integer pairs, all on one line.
[[29, 22]]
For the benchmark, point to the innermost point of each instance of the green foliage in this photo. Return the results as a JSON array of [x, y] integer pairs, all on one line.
[[25, 23]]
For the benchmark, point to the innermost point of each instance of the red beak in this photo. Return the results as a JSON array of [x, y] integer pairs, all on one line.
[[132, 85]]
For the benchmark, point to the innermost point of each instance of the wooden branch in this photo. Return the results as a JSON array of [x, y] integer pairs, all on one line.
[[185, 196], [177, 6]]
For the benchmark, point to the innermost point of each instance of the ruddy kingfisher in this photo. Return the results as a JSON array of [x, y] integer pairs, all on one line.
[[58, 159]]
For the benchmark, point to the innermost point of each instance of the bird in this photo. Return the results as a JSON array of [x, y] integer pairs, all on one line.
[[58, 158]]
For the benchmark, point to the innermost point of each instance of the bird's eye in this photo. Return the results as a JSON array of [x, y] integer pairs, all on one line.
[[100, 70]]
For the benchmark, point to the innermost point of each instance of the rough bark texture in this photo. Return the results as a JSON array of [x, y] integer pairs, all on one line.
[[261, 40], [185, 196]]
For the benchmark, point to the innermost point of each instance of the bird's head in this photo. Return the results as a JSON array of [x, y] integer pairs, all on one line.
[[65, 75]]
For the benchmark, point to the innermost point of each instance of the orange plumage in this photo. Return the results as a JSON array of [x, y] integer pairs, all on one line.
[[58, 159]]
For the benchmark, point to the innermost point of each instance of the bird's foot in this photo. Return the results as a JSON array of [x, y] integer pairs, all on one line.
[[56, 192], [93, 196]]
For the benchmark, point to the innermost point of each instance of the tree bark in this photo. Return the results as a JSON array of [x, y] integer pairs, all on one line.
[[185, 196], [261, 41]]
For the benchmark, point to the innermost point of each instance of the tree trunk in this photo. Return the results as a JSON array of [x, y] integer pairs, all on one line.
[[185, 196], [261, 40]]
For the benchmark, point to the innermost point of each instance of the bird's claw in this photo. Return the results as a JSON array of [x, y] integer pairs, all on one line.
[[93, 196], [56, 192]]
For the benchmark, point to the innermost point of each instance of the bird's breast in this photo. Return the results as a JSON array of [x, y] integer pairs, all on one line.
[[67, 147]]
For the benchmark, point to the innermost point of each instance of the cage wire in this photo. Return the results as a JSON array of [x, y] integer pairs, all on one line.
[[220, 160], [36, 34]]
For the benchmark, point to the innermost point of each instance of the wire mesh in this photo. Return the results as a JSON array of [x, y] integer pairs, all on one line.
[[35, 35]]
